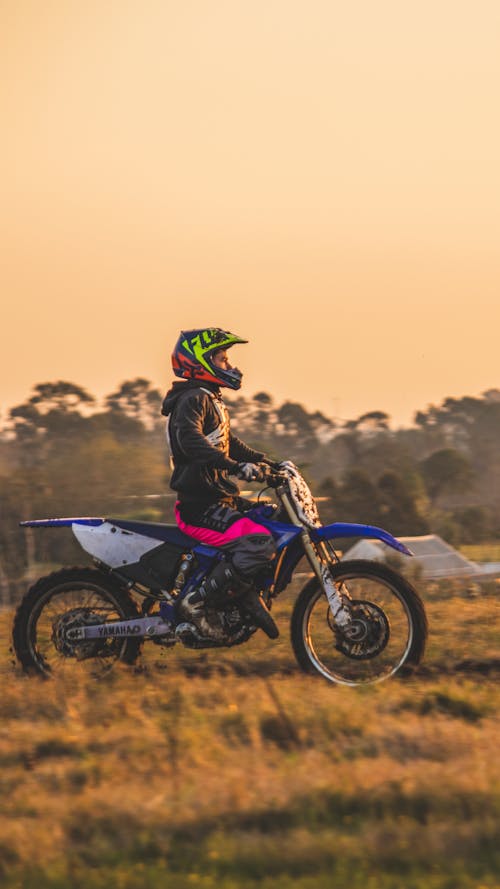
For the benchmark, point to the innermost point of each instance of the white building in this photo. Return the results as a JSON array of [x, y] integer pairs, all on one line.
[[437, 558]]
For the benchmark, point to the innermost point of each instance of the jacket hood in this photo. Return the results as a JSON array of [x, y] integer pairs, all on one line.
[[176, 390]]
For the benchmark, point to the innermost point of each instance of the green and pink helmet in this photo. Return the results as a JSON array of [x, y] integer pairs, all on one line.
[[194, 351]]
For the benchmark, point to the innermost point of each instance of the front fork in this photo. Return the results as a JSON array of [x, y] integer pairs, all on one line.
[[320, 560]]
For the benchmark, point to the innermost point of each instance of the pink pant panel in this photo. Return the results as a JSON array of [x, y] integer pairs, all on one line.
[[216, 538]]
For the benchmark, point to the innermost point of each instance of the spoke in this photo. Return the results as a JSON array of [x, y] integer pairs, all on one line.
[[75, 605]]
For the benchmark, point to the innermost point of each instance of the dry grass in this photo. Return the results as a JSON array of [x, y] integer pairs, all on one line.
[[235, 770], [481, 552]]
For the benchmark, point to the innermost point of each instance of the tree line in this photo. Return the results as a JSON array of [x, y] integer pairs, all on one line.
[[62, 453]]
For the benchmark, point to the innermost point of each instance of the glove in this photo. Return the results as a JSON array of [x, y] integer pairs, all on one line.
[[287, 464], [279, 465], [250, 472], [273, 464]]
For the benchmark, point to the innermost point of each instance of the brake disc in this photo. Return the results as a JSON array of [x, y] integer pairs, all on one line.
[[367, 634]]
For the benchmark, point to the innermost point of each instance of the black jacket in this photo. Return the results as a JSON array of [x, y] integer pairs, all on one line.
[[204, 450]]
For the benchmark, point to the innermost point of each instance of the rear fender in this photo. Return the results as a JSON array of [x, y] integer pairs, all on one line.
[[62, 523], [343, 529]]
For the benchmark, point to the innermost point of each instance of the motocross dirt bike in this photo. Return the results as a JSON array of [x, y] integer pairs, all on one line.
[[355, 622]]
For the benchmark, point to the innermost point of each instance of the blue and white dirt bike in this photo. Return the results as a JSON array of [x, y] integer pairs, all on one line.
[[354, 622]]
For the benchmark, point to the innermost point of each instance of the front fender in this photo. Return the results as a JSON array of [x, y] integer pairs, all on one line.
[[344, 529]]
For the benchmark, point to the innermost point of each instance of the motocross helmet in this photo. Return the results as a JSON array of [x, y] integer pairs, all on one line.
[[194, 351]]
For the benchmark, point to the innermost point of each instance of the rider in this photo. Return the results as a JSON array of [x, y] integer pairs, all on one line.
[[204, 454]]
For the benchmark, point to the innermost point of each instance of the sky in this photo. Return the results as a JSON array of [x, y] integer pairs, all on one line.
[[319, 177]]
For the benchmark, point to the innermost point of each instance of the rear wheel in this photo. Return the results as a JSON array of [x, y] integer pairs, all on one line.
[[387, 633], [65, 600]]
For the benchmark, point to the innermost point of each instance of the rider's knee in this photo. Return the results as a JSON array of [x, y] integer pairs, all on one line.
[[252, 553]]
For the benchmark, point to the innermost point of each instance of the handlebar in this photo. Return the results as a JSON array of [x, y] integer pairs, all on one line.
[[274, 477]]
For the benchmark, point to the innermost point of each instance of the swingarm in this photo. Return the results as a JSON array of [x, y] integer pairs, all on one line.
[[140, 626]]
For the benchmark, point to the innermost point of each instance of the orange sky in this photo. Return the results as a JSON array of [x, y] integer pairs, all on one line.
[[322, 178]]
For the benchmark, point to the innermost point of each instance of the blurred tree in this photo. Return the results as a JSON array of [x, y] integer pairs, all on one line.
[[446, 472], [25, 423], [360, 498], [263, 398], [294, 418], [475, 524], [61, 397], [331, 507], [492, 395], [398, 506], [138, 401], [54, 408], [373, 420]]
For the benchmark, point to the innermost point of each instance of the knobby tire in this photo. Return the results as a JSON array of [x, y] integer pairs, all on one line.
[[365, 570], [31, 606]]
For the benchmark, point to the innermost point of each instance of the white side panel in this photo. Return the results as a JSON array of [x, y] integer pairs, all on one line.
[[114, 546]]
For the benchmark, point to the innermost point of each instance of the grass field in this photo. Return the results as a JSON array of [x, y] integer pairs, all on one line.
[[235, 770], [481, 552]]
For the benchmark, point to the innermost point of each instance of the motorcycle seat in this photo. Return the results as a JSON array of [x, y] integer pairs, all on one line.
[[158, 530]]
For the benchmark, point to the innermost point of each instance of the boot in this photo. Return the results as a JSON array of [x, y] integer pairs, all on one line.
[[211, 593], [259, 612]]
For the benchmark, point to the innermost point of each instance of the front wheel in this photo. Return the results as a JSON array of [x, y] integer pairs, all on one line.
[[388, 629], [74, 597]]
